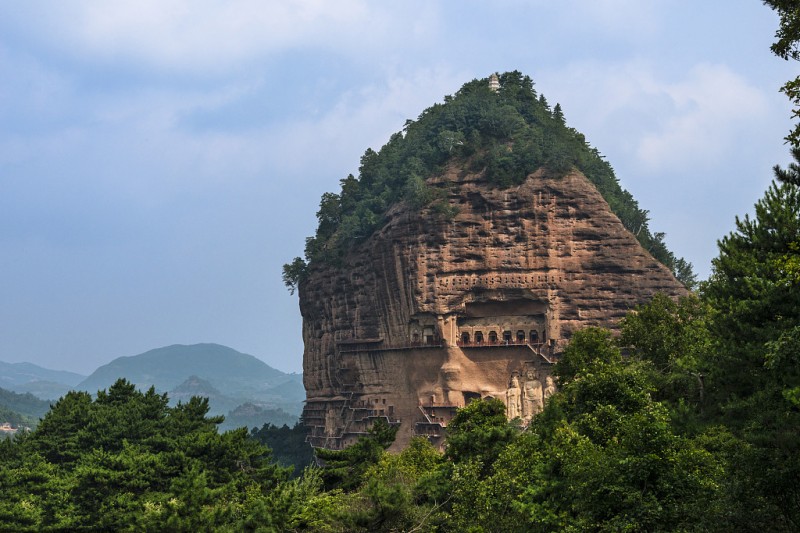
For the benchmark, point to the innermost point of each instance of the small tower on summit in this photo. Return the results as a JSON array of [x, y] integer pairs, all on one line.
[[494, 83]]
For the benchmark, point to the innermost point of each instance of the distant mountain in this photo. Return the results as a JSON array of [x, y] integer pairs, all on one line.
[[20, 376], [290, 390], [168, 367], [226, 377], [21, 409], [250, 415], [241, 412], [46, 390], [194, 386]]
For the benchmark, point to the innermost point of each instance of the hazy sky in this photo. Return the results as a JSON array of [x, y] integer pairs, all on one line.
[[160, 160]]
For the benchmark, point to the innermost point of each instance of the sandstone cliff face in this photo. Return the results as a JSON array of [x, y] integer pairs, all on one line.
[[430, 312]]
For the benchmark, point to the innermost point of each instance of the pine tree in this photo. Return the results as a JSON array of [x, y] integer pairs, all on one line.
[[754, 380]]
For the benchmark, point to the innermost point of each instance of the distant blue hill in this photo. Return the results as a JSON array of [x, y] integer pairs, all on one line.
[[46, 390], [196, 386], [230, 374], [41, 382], [14, 374]]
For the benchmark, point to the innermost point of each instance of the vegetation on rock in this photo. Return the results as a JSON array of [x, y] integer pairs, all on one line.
[[508, 135], [21, 409]]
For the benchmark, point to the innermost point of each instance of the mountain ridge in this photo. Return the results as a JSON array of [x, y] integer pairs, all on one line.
[[168, 366], [20, 373], [227, 377]]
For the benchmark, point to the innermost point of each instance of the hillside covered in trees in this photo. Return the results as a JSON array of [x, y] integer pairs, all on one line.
[[508, 134], [21, 409]]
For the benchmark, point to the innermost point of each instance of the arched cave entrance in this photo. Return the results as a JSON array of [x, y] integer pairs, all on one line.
[[469, 396]]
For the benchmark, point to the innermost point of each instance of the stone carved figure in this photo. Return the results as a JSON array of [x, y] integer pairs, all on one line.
[[451, 383], [533, 403], [330, 421], [550, 387], [513, 396]]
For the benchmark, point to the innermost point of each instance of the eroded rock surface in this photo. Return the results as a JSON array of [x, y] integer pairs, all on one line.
[[431, 312]]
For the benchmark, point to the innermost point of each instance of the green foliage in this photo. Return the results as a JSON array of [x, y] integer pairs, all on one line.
[[588, 348], [288, 445], [753, 377], [127, 461], [783, 362], [603, 456], [479, 432], [754, 289], [667, 332], [344, 469], [613, 460], [790, 174], [27, 407], [16, 420], [390, 490], [293, 273], [673, 337], [508, 135], [418, 193]]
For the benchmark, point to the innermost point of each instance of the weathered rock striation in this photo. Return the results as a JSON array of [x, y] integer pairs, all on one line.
[[430, 312]]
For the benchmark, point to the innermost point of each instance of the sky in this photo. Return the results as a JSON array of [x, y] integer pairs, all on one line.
[[160, 160]]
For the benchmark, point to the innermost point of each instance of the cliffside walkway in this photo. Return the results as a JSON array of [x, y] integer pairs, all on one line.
[[538, 348], [354, 347]]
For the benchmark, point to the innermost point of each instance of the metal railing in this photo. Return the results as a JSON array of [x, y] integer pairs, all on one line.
[[499, 343]]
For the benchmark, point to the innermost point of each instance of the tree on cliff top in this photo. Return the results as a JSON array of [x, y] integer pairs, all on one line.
[[507, 135], [754, 367]]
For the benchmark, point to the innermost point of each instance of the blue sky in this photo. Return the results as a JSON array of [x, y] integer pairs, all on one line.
[[160, 160]]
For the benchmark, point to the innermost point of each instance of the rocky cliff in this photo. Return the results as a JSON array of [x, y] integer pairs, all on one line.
[[434, 310]]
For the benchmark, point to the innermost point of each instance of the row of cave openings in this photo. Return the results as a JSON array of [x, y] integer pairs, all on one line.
[[508, 337]]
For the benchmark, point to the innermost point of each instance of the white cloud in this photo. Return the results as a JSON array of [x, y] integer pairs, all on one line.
[[208, 35], [135, 145], [708, 108], [363, 118], [659, 123]]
